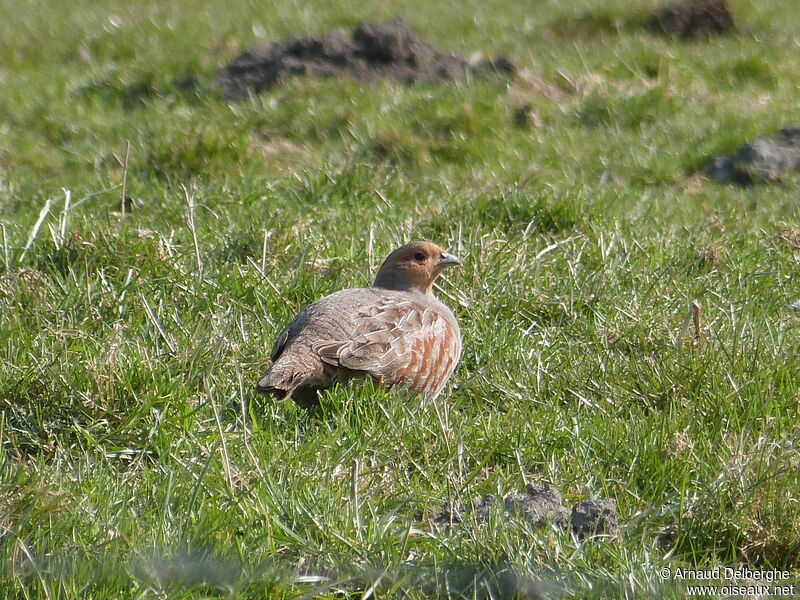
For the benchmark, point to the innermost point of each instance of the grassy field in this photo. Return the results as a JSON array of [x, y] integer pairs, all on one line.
[[136, 461]]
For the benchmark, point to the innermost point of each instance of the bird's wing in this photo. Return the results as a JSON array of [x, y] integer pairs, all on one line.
[[289, 332], [401, 341], [280, 344]]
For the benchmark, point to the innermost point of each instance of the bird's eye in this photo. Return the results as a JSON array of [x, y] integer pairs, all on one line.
[[419, 256]]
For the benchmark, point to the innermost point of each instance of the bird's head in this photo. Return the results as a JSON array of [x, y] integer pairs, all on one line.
[[413, 267]]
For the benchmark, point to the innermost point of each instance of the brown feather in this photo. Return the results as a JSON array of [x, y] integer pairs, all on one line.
[[395, 331]]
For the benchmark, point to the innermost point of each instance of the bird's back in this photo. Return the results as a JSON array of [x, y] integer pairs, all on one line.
[[403, 338]]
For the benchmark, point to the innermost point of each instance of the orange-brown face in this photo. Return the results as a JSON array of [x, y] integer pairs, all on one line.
[[414, 267]]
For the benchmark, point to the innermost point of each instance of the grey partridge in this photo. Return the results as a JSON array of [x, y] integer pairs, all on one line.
[[396, 331]]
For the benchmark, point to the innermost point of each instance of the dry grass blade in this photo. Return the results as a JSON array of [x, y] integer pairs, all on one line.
[[36, 226], [226, 461], [173, 347], [190, 205], [123, 197], [694, 317]]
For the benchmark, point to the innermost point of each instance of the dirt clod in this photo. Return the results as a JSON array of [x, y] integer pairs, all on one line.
[[373, 50], [693, 19], [762, 160], [594, 517], [449, 514], [538, 504], [525, 117]]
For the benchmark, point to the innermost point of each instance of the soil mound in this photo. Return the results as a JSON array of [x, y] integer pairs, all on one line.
[[762, 160], [693, 19], [537, 505], [594, 517], [373, 50]]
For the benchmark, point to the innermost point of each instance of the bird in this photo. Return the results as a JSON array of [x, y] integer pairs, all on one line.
[[396, 332]]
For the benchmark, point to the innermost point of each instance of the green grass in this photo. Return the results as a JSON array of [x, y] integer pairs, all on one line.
[[137, 462]]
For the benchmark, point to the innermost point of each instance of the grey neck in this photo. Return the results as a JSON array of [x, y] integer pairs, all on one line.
[[396, 281]]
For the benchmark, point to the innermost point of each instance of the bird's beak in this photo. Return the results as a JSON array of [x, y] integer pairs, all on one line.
[[448, 259]]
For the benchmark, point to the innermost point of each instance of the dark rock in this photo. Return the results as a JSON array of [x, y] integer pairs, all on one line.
[[594, 517], [373, 50], [698, 19], [762, 160]]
